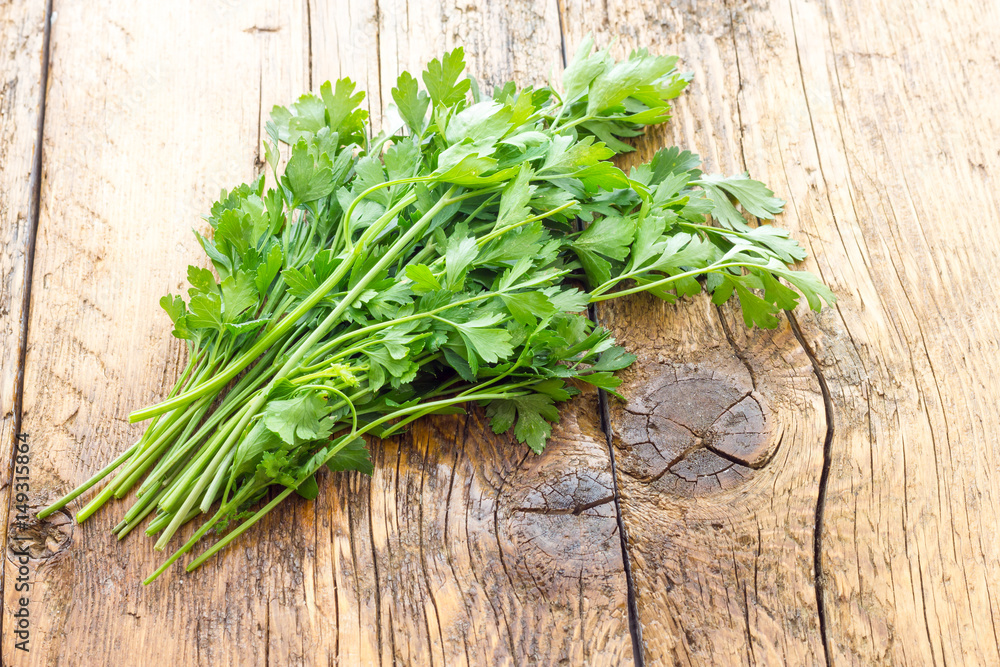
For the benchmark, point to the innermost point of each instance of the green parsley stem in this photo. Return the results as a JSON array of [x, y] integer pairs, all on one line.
[[346, 223], [78, 491], [218, 546], [598, 294], [268, 339], [541, 216]]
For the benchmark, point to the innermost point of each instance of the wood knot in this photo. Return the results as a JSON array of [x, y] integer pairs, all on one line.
[[694, 431], [41, 539], [561, 529]]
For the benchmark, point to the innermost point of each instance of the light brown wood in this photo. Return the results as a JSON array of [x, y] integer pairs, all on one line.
[[877, 122], [719, 452], [126, 175], [460, 549], [466, 549], [722, 554], [901, 116], [22, 32]]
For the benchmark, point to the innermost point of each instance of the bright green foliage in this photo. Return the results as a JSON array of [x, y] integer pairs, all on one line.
[[389, 276]]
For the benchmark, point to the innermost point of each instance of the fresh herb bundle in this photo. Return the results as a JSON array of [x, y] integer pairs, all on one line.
[[390, 276]]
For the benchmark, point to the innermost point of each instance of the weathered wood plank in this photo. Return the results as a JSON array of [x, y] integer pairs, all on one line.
[[136, 145], [459, 549], [719, 451], [22, 47], [720, 445], [464, 549], [895, 119], [876, 121]]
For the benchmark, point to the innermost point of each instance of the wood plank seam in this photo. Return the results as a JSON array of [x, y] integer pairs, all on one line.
[[635, 629], [309, 50], [35, 181], [751, 622], [634, 626]]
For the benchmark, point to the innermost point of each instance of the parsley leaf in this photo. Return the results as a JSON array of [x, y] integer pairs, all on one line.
[[530, 415], [352, 456], [298, 418], [441, 78], [411, 102]]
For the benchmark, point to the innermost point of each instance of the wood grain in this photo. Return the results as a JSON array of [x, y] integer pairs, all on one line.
[[463, 546], [876, 121], [460, 548], [719, 503], [22, 39], [719, 451], [902, 126], [135, 145]]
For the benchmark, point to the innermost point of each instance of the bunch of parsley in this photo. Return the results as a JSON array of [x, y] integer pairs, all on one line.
[[446, 261]]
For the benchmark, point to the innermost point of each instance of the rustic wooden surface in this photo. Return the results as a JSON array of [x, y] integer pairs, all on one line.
[[821, 494], [460, 549], [877, 121], [22, 36]]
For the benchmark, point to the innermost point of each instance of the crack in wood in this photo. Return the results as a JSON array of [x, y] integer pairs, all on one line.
[[740, 354], [635, 627], [824, 480], [576, 510], [309, 41]]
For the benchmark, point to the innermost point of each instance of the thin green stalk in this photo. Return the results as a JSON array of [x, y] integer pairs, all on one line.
[[158, 523], [598, 293], [80, 490], [218, 546], [136, 514], [270, 338], [196, 361], [229, 536], [221, 473], [541, 216], [161, 520]]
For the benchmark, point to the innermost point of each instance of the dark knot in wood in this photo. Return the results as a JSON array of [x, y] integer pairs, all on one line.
[[41, 539], [562, 528], [694, 431]]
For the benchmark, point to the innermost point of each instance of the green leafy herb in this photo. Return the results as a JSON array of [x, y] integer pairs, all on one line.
[[387, 276]]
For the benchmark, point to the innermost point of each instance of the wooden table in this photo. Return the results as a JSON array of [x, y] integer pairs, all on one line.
[[851, 519]]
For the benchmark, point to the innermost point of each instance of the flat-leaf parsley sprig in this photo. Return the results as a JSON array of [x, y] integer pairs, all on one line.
[[392, 275]]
